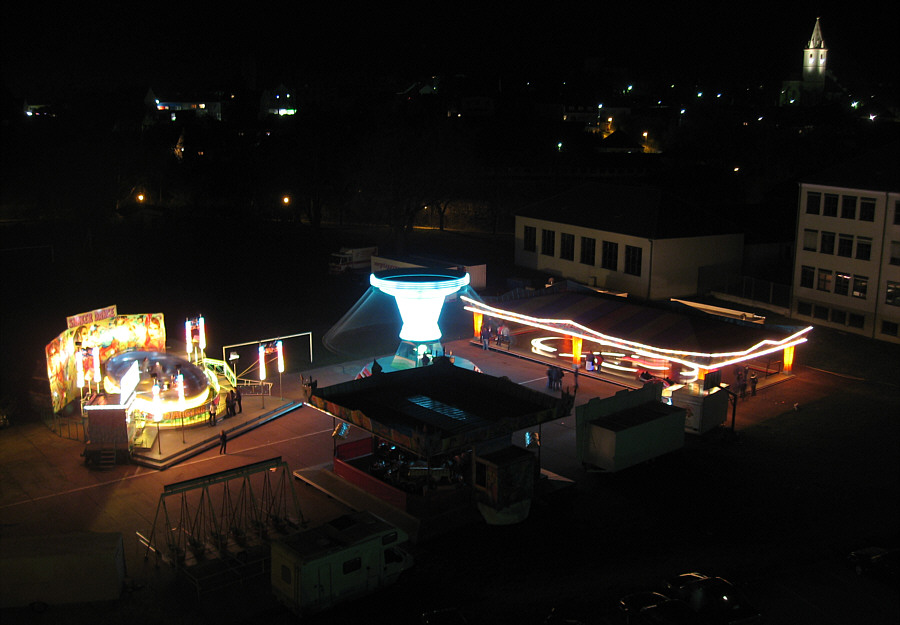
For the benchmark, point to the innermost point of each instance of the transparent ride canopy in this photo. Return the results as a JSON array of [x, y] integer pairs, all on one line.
[[429, 300]]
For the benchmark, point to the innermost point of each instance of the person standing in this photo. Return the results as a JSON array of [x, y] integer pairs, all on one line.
[[212, 414], [575, 373], [485, 336], [753, 381], [223, 441], [237, 398], [230, 404]]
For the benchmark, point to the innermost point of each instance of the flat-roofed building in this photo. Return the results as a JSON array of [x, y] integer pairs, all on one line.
[[643, 241], [847, 258]]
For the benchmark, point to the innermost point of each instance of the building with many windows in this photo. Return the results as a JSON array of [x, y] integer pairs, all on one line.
[[847, 267], [641, 241]]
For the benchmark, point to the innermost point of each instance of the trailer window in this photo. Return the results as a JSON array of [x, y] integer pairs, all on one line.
[[387, 539], [352, 565]]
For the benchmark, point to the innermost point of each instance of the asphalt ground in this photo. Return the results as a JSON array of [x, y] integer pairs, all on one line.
[[775, 509]]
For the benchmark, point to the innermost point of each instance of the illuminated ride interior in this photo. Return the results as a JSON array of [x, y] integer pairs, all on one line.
[[572, 343], [171, 390]]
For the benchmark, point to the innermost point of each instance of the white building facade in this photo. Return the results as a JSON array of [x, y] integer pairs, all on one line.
[[644, 268], [847, 260]]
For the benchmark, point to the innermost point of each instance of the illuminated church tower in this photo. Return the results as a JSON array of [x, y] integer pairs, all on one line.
[[814, 57], [810, 88]]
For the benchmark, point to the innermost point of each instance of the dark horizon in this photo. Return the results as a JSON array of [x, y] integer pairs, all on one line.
[[73, 48]]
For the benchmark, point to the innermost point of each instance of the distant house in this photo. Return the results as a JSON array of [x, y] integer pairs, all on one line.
[[637, 240], [279, 101], [169, 106], [847, 260]]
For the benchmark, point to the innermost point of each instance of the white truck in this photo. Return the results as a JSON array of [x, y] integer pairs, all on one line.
[[348, 557], [351, 260]]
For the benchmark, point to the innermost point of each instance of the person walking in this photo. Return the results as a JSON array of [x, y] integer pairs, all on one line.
[[485, 336], [237, 398], [223, 441]]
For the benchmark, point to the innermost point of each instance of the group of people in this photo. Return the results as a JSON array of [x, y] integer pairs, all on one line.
[[489, 333], [233, 402], [746, 377], [554, 378]]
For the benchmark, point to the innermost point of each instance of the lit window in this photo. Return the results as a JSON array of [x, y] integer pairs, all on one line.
[[892, 294], [860, 286], [842, 284], [825, 279]]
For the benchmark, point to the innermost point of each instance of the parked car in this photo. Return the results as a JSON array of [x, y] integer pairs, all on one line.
[[678, 587], [631, 605], [669, 612], [876, 561], [445, 616], [720, 602]]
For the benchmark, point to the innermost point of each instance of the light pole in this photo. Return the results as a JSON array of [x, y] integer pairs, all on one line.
[[280, 368], [157, 414], [262, 373]]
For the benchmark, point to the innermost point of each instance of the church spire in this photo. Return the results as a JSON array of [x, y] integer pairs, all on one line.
[[814, 58], [816, 42]]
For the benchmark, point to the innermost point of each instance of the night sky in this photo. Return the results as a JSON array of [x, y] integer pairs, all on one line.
[[129, 45]]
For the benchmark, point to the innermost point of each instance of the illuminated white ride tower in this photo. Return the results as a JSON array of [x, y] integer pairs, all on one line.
[[420, 298], [420, 295]]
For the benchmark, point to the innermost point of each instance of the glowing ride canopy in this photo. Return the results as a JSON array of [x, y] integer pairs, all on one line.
[[420, 298], [692, 360]]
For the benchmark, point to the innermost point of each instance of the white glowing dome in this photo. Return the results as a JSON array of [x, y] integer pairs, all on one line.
[[420, 296]]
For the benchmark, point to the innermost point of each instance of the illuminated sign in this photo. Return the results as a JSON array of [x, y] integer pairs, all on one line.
[[262, 363], [85, 319]]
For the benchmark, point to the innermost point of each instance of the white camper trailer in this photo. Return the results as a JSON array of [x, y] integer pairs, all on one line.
[[347, 557]]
